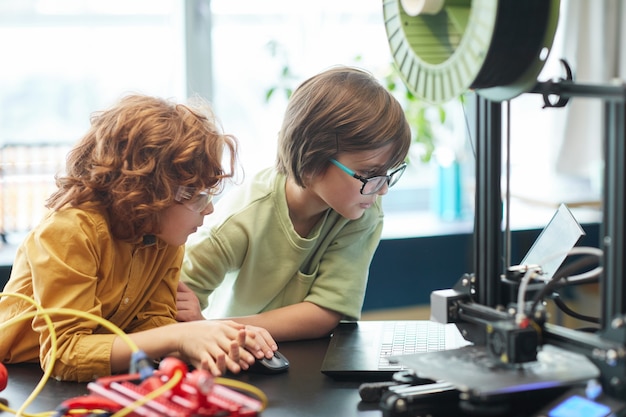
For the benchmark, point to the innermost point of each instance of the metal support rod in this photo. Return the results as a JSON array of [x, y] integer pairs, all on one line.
[[488, 199], [614, 226], [569, 89]]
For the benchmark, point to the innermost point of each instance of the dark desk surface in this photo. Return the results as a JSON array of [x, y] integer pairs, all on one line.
[[301, 392]]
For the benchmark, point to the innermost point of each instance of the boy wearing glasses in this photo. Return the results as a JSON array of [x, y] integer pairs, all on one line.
[[290, 251], [136, 186]]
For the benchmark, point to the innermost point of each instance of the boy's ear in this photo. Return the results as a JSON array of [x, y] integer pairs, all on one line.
[[306, 179]]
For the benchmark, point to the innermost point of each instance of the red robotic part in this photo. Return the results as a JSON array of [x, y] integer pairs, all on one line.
[[4, 377], [195, 395]]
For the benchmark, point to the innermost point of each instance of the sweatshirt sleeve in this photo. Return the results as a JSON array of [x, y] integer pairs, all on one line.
[[205, 264]]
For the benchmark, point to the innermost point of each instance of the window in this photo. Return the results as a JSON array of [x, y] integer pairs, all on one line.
[[62, 60], [254, 42], [68, 58]]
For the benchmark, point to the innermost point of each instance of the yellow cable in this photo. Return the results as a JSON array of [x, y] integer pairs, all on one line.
[[233, 383], [45, 313], [53, 351], [69, 311]]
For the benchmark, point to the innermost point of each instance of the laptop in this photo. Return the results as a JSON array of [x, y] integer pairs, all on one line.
[[360, 350]]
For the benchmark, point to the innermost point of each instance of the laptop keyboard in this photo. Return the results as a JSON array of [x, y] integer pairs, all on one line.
[[410, 337]]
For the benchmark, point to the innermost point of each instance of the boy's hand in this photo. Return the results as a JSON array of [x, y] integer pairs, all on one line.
[[214, 345], [259, 342], [187, 304]]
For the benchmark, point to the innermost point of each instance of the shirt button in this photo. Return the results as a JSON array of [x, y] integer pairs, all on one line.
[[126, 300]]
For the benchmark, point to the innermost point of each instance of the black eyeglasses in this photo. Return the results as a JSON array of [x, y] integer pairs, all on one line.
[[373, 185]]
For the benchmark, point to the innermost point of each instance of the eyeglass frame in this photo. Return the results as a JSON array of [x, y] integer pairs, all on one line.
[[389, 177], [184, 195]]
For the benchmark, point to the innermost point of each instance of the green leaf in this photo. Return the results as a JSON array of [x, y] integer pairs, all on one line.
[[269, 93]]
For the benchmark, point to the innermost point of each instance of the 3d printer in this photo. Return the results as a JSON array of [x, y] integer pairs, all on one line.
[[497, 49]]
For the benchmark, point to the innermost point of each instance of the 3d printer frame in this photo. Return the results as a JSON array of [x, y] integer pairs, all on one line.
[[607, 348]]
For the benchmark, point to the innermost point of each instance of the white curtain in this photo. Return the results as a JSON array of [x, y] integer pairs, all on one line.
[[594, 38]]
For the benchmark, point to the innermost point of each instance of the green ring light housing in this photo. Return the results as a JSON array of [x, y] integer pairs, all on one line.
[[495, 47]]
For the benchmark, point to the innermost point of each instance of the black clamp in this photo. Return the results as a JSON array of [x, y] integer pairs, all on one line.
[[562, 101]]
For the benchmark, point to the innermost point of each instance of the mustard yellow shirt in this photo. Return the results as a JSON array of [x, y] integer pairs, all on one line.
[[71, 260]]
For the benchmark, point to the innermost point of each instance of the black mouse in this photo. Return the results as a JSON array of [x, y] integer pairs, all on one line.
[[277, 364]]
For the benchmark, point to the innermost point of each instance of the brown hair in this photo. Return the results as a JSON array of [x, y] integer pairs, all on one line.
[[343, 109], [136, 154]]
